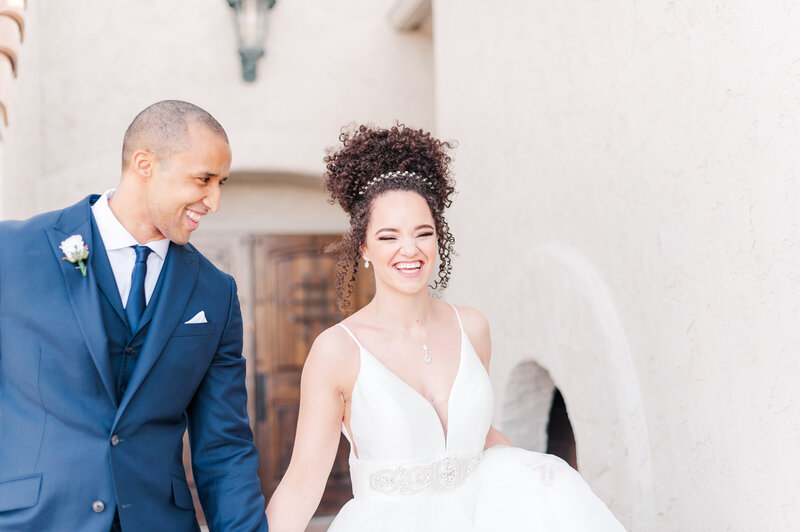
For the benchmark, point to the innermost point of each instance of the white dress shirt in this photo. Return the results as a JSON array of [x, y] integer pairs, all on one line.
[[118, 242]]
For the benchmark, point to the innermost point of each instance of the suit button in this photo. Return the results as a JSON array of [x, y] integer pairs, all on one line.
[[98, 506], [114, 440], [129, 350]]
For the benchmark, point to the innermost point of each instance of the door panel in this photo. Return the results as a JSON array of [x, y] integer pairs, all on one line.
[[295, 300]]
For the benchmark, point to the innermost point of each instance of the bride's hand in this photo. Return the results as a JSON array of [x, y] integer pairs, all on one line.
[[495, 437]]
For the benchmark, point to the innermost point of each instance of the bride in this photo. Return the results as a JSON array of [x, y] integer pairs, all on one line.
[[406, 377]]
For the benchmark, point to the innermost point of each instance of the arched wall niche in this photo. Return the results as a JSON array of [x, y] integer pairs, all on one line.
[[561, 317], [528, 398]]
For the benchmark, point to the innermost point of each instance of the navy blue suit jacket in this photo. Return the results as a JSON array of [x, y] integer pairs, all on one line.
[[66, 443]]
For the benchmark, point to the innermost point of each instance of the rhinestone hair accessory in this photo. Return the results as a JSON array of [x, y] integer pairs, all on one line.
[[397, 174]]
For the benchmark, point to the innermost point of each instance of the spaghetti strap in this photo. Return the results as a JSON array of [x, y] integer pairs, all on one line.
[[457, 317], [353, 336]]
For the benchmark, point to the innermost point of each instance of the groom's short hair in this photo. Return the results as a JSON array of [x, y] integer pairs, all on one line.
[[162, 128]]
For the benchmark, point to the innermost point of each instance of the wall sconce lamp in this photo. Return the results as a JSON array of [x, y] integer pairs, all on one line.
[[250, 17]]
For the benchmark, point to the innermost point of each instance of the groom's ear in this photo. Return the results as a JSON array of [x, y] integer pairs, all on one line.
[[142, 163]]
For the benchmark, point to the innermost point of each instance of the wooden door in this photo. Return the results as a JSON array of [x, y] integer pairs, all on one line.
[[295, 300]]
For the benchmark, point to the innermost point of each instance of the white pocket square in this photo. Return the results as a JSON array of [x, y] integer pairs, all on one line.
[[200, 317]]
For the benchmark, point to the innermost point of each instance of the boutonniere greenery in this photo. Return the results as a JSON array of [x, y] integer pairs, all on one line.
[[75, 251]]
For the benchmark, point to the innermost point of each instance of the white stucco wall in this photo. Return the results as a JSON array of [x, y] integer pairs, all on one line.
[[276, 208], [99, 63], [657, 143]]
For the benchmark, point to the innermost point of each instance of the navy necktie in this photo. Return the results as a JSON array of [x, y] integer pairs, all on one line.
[[136, 299]]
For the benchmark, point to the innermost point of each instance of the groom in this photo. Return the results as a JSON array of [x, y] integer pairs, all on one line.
[[115, 336]]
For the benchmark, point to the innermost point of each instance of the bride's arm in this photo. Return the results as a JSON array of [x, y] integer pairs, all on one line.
[[319, 424], [477, 328]]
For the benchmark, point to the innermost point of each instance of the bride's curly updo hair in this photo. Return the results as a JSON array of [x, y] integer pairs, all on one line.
[[372, 161]]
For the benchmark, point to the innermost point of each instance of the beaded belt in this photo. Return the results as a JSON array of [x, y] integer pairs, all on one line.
[[441, 475]]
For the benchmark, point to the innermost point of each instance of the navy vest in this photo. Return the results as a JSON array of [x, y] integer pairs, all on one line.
[[123, 346]]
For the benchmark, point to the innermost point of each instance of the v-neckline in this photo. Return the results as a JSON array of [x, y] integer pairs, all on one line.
[[445, 430]]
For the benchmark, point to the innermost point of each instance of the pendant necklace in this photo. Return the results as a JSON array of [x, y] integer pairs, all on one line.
[[427, 357]]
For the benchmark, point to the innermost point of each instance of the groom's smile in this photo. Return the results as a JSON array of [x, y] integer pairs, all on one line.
[[194, 219]]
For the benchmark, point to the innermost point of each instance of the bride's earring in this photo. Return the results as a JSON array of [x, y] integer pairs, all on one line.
[[366, 263]]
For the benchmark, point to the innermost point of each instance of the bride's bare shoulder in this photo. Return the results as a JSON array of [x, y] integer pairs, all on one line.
[[333, 353], [475, 323], [335, 339], [477, 328], [334, 342]]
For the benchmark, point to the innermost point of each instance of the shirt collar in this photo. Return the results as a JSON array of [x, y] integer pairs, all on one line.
[[114, 234]]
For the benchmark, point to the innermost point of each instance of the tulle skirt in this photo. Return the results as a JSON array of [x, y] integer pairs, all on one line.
[[510, 490]]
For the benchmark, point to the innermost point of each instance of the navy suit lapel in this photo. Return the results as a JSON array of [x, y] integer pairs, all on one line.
[[105, 275], [179, 276], [83, 292]]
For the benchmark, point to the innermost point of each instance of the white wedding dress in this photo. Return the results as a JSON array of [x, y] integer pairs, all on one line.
[[413, 476]]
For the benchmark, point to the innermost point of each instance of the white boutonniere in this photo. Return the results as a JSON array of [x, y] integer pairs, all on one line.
[[75, 251]]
